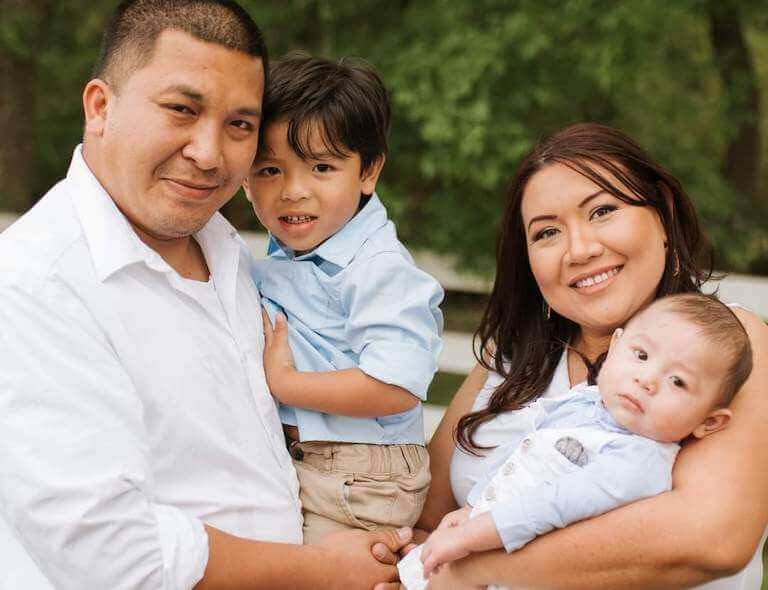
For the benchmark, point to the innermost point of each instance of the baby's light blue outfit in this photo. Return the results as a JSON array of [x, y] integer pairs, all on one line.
[[535, 485], [357, 301]]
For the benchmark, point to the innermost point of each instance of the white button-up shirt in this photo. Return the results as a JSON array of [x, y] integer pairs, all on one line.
[[129, 413]]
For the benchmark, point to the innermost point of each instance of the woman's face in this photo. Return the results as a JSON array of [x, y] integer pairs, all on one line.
[[597, 260]]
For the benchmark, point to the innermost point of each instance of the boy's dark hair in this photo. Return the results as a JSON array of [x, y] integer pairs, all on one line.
[[720, 326], [132, 31], [345, 101]]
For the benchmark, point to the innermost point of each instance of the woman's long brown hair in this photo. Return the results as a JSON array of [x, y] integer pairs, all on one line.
[[515, 339]]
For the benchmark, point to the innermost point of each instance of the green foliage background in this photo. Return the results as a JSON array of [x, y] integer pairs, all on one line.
[[474, 83]]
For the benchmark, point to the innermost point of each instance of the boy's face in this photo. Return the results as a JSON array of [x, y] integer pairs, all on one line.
[[304, 202], [662, 379]]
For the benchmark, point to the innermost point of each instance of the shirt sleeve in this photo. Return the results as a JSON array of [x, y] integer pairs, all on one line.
[[394, 322], [76, 485], [625, 471]]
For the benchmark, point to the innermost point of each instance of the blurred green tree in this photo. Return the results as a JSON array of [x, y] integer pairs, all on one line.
[[474, 84]]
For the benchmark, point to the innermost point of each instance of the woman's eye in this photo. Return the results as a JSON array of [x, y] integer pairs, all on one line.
[[602, 211], [544, 234], [322, 168], [677, 382], [640, 354]]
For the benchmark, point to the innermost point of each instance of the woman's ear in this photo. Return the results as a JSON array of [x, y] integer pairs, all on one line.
[[715, 420], [370, 176]]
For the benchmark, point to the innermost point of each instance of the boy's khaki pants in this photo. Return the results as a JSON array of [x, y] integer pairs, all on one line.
[[359, 486]]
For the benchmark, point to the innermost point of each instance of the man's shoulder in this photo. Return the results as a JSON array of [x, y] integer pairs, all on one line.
[[36, 242]]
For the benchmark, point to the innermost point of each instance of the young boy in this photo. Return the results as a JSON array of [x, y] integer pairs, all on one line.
[[669, 373], [348, 305]]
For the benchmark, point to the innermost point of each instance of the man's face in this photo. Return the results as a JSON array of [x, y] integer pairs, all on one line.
[[179, 135], [661, 378]]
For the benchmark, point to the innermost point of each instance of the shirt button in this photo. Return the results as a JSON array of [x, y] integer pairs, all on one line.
[[490, 493], [508, 469], [527, 444]]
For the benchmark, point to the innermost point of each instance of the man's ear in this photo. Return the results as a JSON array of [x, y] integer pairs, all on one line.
[[96, 98], [715, 420], [370, 176]]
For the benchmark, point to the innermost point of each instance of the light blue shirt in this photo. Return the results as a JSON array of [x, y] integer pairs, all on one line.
[[357, 301], [628, 468]]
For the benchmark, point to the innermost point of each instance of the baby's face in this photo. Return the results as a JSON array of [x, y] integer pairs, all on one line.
[[662, 378]]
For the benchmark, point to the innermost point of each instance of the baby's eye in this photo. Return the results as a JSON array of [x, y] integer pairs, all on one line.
[[602, 211], [640, 354], [545, 233], [677, 382], [322, 167]]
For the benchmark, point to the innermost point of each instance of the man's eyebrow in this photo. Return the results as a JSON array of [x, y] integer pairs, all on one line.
[[254, 112], [586, 200]]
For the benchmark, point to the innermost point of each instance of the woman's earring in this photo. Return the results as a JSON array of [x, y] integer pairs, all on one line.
[[547, 310], [676, 270]]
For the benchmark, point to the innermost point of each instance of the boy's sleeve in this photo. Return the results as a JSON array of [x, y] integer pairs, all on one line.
[[625, 471], [394, 323]]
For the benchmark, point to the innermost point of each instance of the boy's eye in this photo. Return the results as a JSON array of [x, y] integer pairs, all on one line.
[[322, 168], [602, 211], [545, 233], [677, 382], [640, 354], [268, 171]]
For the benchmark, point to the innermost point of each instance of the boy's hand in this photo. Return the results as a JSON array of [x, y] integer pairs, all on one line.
[[278, 358], [455, 518], [444, 545]]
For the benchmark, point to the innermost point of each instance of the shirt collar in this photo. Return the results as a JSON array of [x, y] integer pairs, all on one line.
[[342, 246], [112, 241]]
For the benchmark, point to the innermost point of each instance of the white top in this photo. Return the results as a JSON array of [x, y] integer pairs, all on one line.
[[130, 413], [467, 469]]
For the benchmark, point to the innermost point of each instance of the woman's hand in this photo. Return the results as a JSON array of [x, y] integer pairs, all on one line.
[[278, 358]]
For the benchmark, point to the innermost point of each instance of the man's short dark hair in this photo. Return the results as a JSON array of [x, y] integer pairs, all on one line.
[[132, 31], [721, 328], [345, 101]]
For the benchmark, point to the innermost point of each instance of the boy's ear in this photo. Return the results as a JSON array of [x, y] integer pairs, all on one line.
[[370, 176], [715, 420], [247, 189]]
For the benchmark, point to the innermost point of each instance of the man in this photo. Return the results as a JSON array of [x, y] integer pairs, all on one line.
[[140, 447]]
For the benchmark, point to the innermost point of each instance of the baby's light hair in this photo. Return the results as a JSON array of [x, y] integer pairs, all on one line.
[[720, 326]]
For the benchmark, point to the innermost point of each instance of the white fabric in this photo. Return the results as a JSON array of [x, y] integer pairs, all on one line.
[[467, 469], [130, 414]]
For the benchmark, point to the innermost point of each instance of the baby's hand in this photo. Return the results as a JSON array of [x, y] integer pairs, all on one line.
[[444, 545], [278, 358], [455, 518]]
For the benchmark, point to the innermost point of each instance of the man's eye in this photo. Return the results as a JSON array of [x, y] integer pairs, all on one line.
[[602, 211], [244, 125], [640, 354], [545, 233]]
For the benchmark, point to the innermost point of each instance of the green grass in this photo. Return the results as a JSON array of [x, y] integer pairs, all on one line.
[[443, 387]]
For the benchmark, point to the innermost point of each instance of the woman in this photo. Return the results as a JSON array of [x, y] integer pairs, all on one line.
[[593, 231]]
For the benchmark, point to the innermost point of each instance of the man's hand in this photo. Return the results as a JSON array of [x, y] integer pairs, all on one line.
[[361, 560], [444, 545], [278, 358], [455, 518]]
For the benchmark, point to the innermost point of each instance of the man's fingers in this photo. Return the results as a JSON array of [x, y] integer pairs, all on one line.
[[394, 539], [384, 554], [389, 586]]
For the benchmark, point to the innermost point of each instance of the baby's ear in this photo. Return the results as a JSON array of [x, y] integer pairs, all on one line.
[[715, 420], [617, 333]]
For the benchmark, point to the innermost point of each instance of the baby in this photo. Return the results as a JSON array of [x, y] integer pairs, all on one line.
[[357, 325], [668, 374]]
